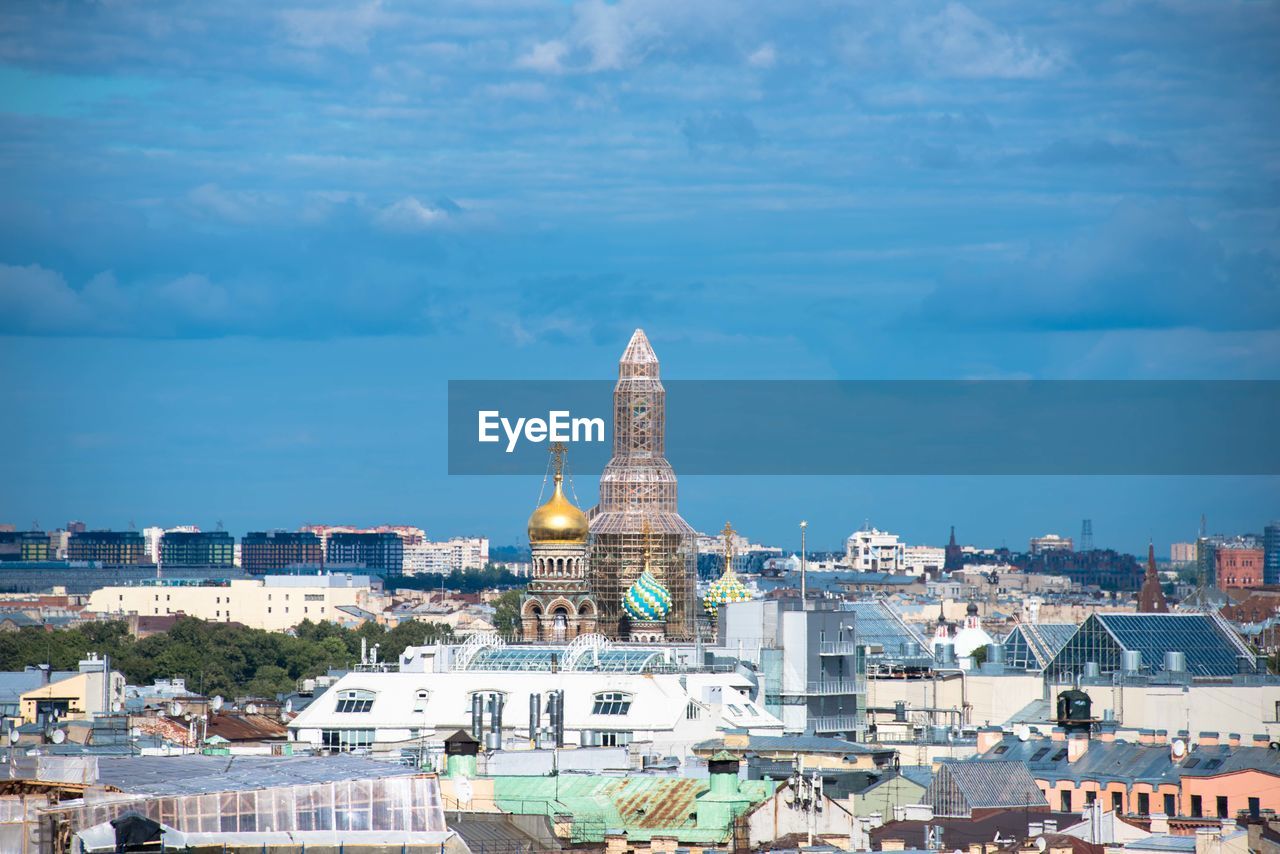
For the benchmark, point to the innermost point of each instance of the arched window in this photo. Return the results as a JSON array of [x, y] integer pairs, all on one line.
[[354, 701], [420, 700]]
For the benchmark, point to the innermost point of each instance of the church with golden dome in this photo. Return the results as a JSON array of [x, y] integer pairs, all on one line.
[[558, 604]]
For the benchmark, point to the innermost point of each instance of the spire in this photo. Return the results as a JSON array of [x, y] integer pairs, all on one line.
[[638, 360], [952, 541], [728, 547], [1151, 597]]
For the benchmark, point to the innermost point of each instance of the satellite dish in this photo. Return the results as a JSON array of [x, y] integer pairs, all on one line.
[[58, 736], [175, 709], [14, 735], [216, 702], [117, 706], [288, 705], [1022, 731], [1041, 844], [464, 791], [252, 708], [1179, 747]]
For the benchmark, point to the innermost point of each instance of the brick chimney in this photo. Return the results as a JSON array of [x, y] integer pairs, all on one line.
[[989, 737], [1146, 736], [1208, 739], [1261, 739], [1233, 739], [1058, 734], [1077, 745], [1162, 736]]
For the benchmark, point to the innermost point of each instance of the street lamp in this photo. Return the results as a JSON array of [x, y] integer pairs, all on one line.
[[803, 588]]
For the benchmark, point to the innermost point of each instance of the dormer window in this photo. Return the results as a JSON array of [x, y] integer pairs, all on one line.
[[354, 701], [611, 703]]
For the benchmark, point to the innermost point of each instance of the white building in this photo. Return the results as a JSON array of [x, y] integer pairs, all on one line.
[[461, 553], [614, 695], [1050, 543], [917, 560], [273, 602], [873, 550]]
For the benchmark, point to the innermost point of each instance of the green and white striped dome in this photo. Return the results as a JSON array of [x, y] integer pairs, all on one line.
[[647, 600]]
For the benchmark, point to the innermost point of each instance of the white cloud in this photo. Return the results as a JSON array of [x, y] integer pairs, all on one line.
[[547, 57], [409, 214], [346, 28], [957, 42], [765, 56]]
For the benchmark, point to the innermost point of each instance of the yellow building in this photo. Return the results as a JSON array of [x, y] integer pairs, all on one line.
[[93, 690], [273, 602]]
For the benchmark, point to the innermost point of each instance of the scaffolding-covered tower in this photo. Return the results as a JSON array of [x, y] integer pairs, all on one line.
[[638, 493]]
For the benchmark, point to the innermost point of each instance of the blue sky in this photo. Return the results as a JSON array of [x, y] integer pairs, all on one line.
[[243, 245]]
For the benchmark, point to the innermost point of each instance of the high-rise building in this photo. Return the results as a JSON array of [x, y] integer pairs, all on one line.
[[1182, 553], [197, 548], [382, 553], [1271, 554], [114, 547], [637, 508], [272, 551], [445, 556]]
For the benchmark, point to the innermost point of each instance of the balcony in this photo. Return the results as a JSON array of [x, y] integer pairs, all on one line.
[[837, 723], [837, 648], [828, 688]]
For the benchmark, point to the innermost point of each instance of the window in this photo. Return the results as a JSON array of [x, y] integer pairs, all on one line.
[[1144, 803], [354, 701], [611, 703], [1191, 763], [1222, 806], [609, 738], [1197, 807], [1090, 797], [1117, 802], [1004, 748], [1255, 808], [346, 740], [1170, 805], [1059, 756], [1039, 754], [1066, 802], [420, 700], [692, 711], [313, 597]]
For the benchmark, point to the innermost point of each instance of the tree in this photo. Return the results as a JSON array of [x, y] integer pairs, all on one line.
[[506, 612]]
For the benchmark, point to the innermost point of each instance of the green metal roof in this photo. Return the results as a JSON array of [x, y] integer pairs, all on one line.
[[642, 807]]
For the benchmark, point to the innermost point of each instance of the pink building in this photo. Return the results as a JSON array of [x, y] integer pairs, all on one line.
[[1239, 567]]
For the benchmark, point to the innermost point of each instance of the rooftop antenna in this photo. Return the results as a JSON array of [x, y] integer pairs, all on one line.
[[1204, 527]]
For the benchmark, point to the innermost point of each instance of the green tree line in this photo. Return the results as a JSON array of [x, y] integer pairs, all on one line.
[[216, 658]]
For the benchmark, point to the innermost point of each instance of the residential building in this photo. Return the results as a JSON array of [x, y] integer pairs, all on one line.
[[810, 660], [443, 557], [1182, 553], [24, 545], [271, 551], [408, 534], [39, 695], [273, 602], [381, 553], [197, 548], [872, 550], [608, 695], [1050, 542], [112, 547], [923, 560]]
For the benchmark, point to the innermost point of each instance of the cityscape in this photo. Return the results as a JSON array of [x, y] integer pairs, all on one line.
[[639, 427]]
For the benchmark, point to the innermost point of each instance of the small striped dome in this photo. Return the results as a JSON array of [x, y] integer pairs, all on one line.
[[725, 589], [647, 600]]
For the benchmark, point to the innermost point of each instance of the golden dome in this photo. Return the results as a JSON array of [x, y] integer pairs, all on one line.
[[558, 521]]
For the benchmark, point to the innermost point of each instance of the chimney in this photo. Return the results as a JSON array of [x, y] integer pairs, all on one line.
[[1146, 736], [1233, 739], [1077, 745], [989, 737], [1261, 739], [1162, 736], [1208, 739], [1107, 731], [1159, 822], [1058, 734]]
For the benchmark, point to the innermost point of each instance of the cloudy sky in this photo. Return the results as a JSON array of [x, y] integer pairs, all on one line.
[[243, 246]]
